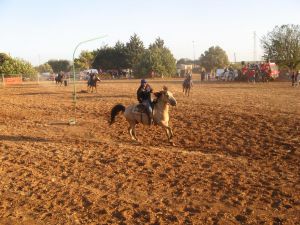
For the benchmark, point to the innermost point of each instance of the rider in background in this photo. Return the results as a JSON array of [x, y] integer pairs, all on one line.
[[189, 76], [144, 97], [91, 78]]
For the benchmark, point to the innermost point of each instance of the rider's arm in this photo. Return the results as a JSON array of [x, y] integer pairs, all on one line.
[[138, 94], [151, 89]]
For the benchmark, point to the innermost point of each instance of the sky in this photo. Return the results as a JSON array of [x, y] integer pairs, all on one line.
[[40, 30]]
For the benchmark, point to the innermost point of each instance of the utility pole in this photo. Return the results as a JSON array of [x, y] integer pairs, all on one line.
[[254, 46], [38, 74], [234, 56], [193, 54]]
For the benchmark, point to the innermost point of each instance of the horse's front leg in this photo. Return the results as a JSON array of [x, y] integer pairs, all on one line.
[[167, 133], [170, 135], [170, 132]]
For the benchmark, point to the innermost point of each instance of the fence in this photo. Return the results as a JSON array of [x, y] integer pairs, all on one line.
[[11, 79]]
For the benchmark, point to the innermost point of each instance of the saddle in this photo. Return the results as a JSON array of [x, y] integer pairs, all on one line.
[[140, 108]]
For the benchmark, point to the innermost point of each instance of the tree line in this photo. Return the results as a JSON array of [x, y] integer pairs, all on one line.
[[281, 45], [157, 58]]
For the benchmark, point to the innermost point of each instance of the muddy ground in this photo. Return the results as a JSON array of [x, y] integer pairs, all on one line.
[[236, 159]]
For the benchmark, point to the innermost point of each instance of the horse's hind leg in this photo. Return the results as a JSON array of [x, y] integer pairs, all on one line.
[[131, 131], [134, 132]]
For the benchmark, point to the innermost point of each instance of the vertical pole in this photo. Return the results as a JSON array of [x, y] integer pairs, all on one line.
[[3, 83], [38, 74], [73, 121], [254, 46], [194, 54]]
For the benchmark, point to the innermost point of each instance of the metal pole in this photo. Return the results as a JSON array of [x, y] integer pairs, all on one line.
[[254, 46], [194, 53], [38, 74], [3, 83], [73, 121], [234, 56]]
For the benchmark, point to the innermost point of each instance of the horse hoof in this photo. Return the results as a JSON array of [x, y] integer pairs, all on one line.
[[172, 143]]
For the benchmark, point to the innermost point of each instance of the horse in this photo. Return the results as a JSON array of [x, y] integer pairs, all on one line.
[[134, 115], [296, 80], [59, 79], [92, 83], [187, 85]]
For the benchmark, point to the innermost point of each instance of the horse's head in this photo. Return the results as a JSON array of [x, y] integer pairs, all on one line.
[[166, 96]]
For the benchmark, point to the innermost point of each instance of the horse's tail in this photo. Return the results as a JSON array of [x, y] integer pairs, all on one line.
[[115, 111]]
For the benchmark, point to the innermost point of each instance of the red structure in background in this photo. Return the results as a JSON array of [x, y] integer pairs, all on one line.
[[12, 80]]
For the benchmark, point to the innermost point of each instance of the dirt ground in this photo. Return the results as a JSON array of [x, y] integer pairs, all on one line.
[[236, 159]]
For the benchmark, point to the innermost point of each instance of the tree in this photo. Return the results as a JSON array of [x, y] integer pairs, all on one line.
[[282, 46], [159, 43], [14, 66], [59, 65], [85, 60], [157, 59], [44, 68], [185, 61], [3, 57], [213, 58], [120, 56], [104, 58], [134, 50], [26, 69]]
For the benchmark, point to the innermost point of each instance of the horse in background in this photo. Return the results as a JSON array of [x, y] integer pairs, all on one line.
[[59, 79], [187, 85], [92, 83], [134, 115]]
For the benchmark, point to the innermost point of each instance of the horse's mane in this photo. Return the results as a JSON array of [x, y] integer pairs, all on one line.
[[159, 93]]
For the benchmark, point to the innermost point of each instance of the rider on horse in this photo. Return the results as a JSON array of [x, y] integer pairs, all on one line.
[[90, 80], [144, 97]]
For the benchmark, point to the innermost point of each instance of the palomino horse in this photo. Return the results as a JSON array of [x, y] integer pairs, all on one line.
[[92, 83], [187, 85], [160, 114]]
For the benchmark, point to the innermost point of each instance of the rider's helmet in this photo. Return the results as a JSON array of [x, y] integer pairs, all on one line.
[[143, 81]]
